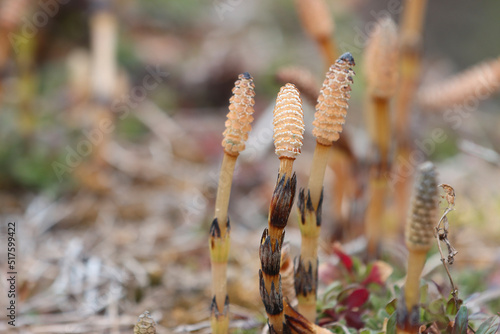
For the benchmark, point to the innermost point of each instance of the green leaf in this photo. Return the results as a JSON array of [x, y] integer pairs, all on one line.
[[391, 324], [377, 302], [370, 323], [391, 307], [490, 326], [397, 290], [358, 267], [461, 321], [424, 294], [451, 308], [331, 291], [369, 331], [436, 306]]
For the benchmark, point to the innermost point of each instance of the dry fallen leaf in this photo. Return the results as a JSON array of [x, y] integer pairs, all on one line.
[[450, 193]]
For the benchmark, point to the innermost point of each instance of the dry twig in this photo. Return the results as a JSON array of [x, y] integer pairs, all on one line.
[[441, 232]]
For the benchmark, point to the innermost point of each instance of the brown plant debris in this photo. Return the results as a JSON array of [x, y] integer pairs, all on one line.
[[299, 324], [476, 83], [442, 232], [381, 60], [332, 105], [442, 235], [240, 115], [288, 122], [450, 194]]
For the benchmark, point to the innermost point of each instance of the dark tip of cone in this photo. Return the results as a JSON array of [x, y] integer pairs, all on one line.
[[348, 58], [426, 166], [247, 76]]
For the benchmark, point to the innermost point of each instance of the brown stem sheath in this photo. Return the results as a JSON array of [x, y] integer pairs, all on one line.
[[270, 248]]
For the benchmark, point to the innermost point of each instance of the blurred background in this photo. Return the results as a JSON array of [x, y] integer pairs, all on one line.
[[111, 119]]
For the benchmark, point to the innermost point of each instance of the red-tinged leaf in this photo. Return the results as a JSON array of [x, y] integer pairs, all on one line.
[[379, 273], [331, 313], [373, 277], [330, 316], [345, 259], [357, 298], [324, 321], [353, 319]]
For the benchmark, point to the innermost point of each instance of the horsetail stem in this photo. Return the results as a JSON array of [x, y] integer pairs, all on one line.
[[410, 36], [480, 81], [237, 128], [288, 125], [331, 110], [419, 239], [381, 68], [317, 22]]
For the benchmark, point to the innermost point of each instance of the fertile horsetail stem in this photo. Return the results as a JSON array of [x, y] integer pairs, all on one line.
[[331, 111], [288, 124], [237, 128]]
